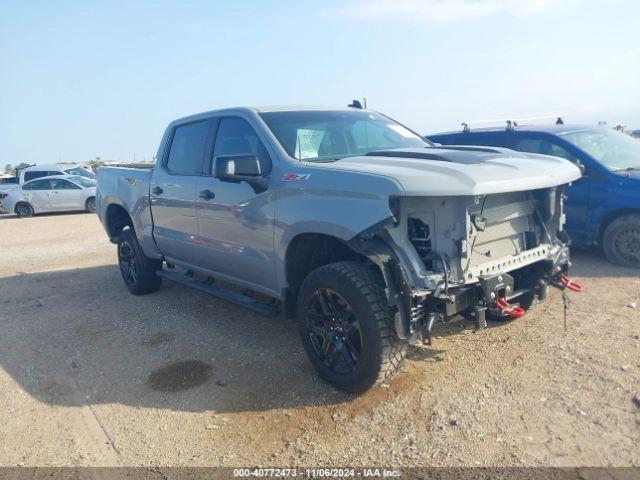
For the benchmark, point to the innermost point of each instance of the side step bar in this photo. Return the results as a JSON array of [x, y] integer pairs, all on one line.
[[223, 293]]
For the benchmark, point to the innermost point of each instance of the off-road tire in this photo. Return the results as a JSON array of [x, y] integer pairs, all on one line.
[[24, 210], [144, 280], [90, 205], [382, 352], [623, 229]]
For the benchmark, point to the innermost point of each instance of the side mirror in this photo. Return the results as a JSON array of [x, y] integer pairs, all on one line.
[[241, 168]]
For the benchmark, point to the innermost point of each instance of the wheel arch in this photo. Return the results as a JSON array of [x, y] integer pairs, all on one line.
[[117, 218], [610, 216], [307, 252]]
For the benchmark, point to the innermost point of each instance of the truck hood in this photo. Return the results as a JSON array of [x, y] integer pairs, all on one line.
[[462, 170]]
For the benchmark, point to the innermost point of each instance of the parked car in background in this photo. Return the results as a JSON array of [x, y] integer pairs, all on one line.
[[603, 207], [38, 171], [52, 194], [7, 182]]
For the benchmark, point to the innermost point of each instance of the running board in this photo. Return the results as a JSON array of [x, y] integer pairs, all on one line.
[[222, 293]]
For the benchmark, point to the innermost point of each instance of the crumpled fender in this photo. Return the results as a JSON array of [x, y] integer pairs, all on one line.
[[353, 203]]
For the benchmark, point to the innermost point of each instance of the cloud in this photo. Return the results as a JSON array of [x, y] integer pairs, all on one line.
[[442, 10]]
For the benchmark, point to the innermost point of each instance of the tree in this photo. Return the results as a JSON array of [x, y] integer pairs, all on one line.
[[8, 168], [97, 162], [22, 165]]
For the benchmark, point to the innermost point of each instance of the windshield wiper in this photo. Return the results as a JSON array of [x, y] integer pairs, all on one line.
[[628, 169]]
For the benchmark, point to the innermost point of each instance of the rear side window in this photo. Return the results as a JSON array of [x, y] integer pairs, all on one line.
[[40, 173], [38, 185], [187, 148], [534, 145], [236, 137], [482, 140]]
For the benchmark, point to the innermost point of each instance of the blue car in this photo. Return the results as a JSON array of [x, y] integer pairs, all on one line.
[[603, 207]]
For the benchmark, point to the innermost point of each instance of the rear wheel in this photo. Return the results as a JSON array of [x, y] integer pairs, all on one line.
[[90, 205], [344, 322], [138, 271], [24, 210], [621, 241]]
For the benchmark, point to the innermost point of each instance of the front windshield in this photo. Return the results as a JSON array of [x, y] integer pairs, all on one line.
[[83, 172], [85, 182], [318, 135], [615, 150]]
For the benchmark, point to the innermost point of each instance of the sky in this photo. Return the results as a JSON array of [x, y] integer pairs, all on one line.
[[80, 80]]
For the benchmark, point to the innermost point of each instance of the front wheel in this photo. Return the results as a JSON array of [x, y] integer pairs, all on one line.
[[345, 325], [90, 206], [138, 271], [621, 241]]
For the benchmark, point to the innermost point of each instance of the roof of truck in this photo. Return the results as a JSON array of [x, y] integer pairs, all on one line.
[[50, 166], [300, 108], [266, 109]]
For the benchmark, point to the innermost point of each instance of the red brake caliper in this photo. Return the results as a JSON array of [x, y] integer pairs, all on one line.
[[510, 310]]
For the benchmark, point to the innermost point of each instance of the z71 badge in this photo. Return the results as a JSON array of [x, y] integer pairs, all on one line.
[[296, 177]]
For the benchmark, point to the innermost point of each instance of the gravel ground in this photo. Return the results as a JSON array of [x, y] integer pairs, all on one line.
[[93, 376]]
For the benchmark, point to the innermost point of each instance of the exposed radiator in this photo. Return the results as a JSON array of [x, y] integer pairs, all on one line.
[[508, 217]]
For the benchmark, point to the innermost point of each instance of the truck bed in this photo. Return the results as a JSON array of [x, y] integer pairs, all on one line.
[[128, 188]]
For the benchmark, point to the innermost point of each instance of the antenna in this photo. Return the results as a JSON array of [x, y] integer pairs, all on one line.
[[355, 104]]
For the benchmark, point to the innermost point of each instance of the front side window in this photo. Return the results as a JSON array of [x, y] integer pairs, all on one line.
[[38, 185], [615, 150], [40, 173], [81, 171], [59, 184], [33, 175], [534, 145], [187, 148], [236, 137], [330, 134], [85, 182]]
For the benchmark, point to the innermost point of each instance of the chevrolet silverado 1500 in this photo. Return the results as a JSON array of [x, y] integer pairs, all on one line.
[[348, 221]]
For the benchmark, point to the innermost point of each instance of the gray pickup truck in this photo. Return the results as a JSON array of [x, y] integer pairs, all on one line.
[[345, 220]]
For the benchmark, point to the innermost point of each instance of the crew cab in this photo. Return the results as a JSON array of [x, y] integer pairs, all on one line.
[[603, 207], [347, 221]]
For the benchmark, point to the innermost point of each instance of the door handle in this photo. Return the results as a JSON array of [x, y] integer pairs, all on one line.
[[207, 195], [157, 191]]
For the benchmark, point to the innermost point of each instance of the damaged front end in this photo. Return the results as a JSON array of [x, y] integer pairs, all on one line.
[[469, 255]]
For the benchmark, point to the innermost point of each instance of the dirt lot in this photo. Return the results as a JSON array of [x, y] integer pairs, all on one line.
[[91, 375]]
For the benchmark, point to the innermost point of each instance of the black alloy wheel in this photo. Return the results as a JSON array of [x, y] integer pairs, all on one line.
[[127, 261], [334, 331]]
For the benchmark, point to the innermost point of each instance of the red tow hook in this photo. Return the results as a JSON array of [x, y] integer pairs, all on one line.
[[566, 282], [505, 308]]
